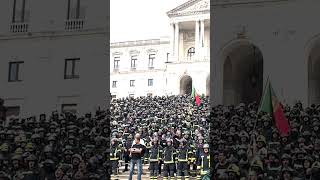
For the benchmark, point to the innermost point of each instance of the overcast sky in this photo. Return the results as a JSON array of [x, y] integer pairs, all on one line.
[[140, 19]]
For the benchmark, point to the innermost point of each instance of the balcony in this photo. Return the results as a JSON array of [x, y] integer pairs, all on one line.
[[74, 24], [189, 59], [19, 27], [133, 68]]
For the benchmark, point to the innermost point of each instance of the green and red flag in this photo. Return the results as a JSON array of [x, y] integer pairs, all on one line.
[[272, 105], [196, 96]]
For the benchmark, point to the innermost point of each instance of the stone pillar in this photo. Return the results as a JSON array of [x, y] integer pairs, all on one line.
[[197, 34], [202, 37], [176, 41], [172, 40]]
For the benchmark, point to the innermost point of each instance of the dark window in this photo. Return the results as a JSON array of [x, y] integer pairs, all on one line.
[[168, 57], [191, 52], [71, 70], [13, 111], [75, 10], [72, 108], [132, 83], [116, 62], [149, 94], [15, 71], [150, 82], [113, 96], [131, 95], [133, 61], [151, 58], [114, 84], [21, 11]]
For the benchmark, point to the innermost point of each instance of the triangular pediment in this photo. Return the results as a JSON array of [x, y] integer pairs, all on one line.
[[191, 7]]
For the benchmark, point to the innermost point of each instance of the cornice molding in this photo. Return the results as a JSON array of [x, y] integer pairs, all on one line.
[[196, 7], [225, 3]]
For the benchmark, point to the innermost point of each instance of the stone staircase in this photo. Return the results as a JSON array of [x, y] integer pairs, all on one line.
[[146, 174]]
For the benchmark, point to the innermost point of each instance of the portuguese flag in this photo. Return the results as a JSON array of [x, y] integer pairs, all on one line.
[[271, 104], [196, 96]]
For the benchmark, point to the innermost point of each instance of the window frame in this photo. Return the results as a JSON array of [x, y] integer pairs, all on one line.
[[134, 58], [70, 8], [191, 52], [150, 84], [23, 14], [151, 59], [17, 79], [132, 83], [114, 84], [73, 75], [68, 104], [116, 59]]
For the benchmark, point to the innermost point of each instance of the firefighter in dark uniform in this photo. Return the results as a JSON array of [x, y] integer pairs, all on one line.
[[127, 146], [169, 154], [192, 160], [2, 110], [114, 156], [182, 158], [203, 164], [154, 158]]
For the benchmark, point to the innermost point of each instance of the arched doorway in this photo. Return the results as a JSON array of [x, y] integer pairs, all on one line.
[[208, 85], [186, 85], [243, 75], [314, 74]]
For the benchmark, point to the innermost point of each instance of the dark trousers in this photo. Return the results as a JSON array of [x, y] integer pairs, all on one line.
[[126, 161], [182, 169], [154, 169], [114, 167], [168, 169]]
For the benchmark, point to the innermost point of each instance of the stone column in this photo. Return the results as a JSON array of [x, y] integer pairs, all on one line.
[[196, 42], [176, 41], [172, 40], [202, 37]]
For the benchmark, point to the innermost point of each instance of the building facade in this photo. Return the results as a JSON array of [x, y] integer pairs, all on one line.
[[259, 39], [174, 64], [54, 60]]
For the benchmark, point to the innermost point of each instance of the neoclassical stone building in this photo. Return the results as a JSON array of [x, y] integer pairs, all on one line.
[[257, 39], [53, 56], [166, 66]]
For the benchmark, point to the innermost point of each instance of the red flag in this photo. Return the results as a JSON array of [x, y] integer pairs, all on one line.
[[195, 95], [198, 100], [271, 104]]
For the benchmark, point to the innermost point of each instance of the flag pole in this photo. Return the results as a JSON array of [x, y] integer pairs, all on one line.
[[256, 120], [262, 99]]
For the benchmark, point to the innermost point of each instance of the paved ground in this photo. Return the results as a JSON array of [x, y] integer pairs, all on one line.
[[125, 175]]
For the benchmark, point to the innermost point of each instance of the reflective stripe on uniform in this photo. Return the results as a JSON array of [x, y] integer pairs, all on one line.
[[182, 160], [203, 172], [168, 162]]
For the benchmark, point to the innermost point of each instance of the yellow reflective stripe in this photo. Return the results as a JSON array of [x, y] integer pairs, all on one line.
[[168, 162], [153, 160], [112, 159], [183, 160], [203, 172]]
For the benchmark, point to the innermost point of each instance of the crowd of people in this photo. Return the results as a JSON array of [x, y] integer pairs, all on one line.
[[177, 138], [246, 143], [174, 130], [59, 147]]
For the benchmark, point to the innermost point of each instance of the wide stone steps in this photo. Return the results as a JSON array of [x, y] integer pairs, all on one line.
[[146, 174]]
